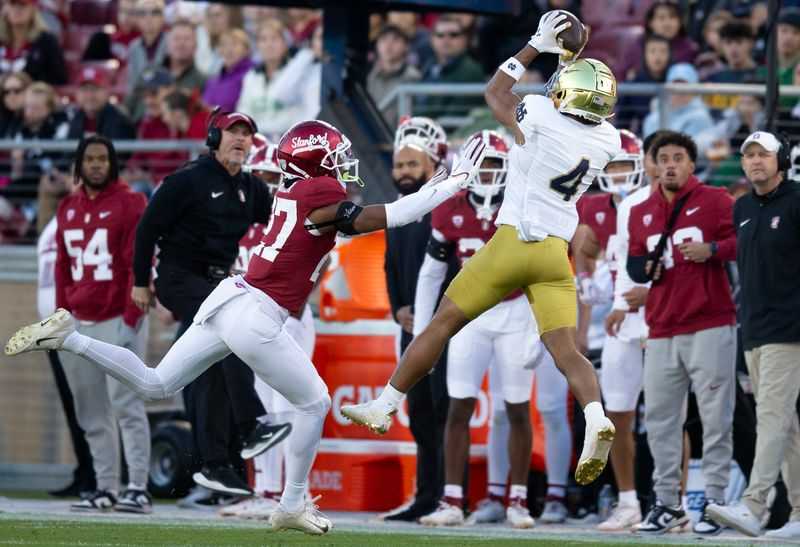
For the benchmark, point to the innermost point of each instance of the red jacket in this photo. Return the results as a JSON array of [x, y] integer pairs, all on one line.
[[95, 237], [689, 296]]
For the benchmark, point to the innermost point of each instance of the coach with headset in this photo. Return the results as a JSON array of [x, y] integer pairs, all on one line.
[[767, 223], [197, 217]]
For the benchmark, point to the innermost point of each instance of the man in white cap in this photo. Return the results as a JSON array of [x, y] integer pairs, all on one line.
[[767, 223]]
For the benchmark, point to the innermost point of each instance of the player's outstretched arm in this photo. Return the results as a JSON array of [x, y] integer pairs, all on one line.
[[501, 100], [351, 219]]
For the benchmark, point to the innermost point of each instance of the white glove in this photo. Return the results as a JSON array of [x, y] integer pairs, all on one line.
[[438, 177], [468, 164], [590, 293], [546, 38]]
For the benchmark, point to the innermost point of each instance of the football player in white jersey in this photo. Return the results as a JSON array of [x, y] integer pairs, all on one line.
[[561, 143]]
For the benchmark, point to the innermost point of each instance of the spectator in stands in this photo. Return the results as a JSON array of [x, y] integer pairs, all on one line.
[[183, 117], [12, 86], [788, 46], [93, 281], [420, 50], [720, 143], [390, 68], [302, 23], [452, 64], [127, 30], [789, 116], [219, 19], [42, 120], [710, 58], [95, 113], [180, 60], [665, 19], [768, 257], [146, 52], [686, 113], [26, 45], [631, 109], [737, 43], [224, 89], [255, 15], [692, 320], [146, 168], [267, 88]]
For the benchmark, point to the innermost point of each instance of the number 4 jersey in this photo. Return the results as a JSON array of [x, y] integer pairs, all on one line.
[[95, 240], [547, 175], [287, 262], [689, 296]]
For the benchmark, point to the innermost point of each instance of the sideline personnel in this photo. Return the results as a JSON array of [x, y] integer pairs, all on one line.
[[767, 222], [197, 217]]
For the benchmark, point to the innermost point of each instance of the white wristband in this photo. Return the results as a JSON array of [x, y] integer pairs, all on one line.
[[513, 68]]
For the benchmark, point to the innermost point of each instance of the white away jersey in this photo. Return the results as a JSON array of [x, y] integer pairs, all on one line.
[[548, 174]]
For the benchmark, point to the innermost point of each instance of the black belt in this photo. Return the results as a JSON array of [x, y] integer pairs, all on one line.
[[213, 274]]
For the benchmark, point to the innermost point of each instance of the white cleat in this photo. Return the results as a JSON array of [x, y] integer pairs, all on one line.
[[376, 417], [488, 510], [518, 516], [260, 509], [445, 515], [554, 513], [47, 334], [307, 519], [596, 444], [622, 518]]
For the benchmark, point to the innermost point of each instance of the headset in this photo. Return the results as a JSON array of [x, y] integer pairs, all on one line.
[[214, 133]]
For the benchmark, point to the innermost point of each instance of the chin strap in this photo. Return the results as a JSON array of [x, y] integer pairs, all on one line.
[[347, 177]]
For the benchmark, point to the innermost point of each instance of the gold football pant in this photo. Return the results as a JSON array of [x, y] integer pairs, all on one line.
[[540, 268]]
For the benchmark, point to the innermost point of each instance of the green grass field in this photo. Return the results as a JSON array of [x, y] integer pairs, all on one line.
[[83, 531]]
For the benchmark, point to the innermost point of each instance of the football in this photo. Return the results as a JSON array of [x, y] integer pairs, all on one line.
[[571, 39]]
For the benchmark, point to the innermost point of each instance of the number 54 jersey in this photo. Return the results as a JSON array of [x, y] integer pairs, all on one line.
[[95, 240], [552, 169], [287, 262]]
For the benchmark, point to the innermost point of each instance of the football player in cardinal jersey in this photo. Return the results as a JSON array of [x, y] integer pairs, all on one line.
[[246, 314], [503, 338], [561, 143], [93, 278], [269, 466], [621, 359]]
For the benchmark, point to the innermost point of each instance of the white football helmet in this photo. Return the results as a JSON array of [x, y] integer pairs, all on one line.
[[633, 179], [424, 133], [490, 180]]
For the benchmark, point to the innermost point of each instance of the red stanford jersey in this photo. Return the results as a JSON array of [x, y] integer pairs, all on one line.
[[689, 296], [95, 237], [599, 212], [286, 263], [457, 223], [247, 246]]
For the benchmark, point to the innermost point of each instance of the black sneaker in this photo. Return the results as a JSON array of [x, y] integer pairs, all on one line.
[[263, 437], [75, 489], [706, 525], [222, 479], [135, 501], [662, 519], [98, 501], [411, 513]]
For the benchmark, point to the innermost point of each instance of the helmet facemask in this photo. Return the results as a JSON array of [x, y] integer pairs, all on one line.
[[489, 183], [622, 181]]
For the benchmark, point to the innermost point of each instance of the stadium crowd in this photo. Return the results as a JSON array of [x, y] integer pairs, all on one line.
[[154, 71]]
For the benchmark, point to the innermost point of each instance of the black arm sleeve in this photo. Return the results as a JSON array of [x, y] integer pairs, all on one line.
[[636, 266], [164, 208], [442, 251]]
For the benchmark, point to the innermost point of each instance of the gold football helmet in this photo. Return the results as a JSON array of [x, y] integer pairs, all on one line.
[[585, 88]]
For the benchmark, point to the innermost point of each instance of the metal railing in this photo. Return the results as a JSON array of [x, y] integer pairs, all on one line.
[[194, 148], [404, 94]]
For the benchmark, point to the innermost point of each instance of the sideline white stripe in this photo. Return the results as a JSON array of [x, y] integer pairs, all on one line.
[[367, 448], [361, 327]]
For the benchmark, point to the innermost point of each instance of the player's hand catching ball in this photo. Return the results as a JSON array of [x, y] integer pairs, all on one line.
[[470, 161], [546, 38]]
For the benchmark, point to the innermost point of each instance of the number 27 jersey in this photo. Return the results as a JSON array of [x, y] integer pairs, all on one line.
[[548, 174], [287, 262]]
